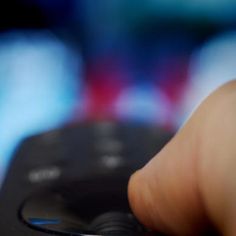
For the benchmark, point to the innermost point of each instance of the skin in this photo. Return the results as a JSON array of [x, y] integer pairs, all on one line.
[[189, 187]]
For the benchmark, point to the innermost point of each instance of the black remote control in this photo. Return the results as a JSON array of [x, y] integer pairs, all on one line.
[[73, 180]]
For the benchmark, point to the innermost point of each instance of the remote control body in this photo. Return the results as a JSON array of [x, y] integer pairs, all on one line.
[[87, 164]]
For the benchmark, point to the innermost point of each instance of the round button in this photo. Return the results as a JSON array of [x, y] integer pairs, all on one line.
[[116, 223], [91, 207]]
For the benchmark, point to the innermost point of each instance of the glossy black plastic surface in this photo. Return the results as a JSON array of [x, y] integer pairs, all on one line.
[[73, 181]]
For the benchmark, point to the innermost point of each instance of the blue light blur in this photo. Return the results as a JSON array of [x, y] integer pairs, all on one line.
[[39, 81], [143, 103], [211, 66], [147, 61], [39, 222]]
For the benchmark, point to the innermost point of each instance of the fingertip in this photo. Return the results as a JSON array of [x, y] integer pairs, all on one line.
[[134, 192], [133, 189], [161, 192], [140, 199]]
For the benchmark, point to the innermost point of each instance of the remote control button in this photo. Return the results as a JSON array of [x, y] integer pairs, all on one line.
[[109, 145], [105, 129], [93, 207], [41, 175], [116, 223], [112, 161]]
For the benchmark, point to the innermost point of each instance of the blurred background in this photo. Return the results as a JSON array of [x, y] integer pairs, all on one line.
[[67, 61]]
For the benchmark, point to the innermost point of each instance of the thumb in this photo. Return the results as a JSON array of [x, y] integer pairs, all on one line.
[[182, 190]]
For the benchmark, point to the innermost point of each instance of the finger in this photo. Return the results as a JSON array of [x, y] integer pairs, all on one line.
[[170, 193], [164, 194]]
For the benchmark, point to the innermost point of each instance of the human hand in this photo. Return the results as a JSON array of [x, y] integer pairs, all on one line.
[[189, 187]]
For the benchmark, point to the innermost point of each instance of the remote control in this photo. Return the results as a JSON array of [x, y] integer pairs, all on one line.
[[73, 180]]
